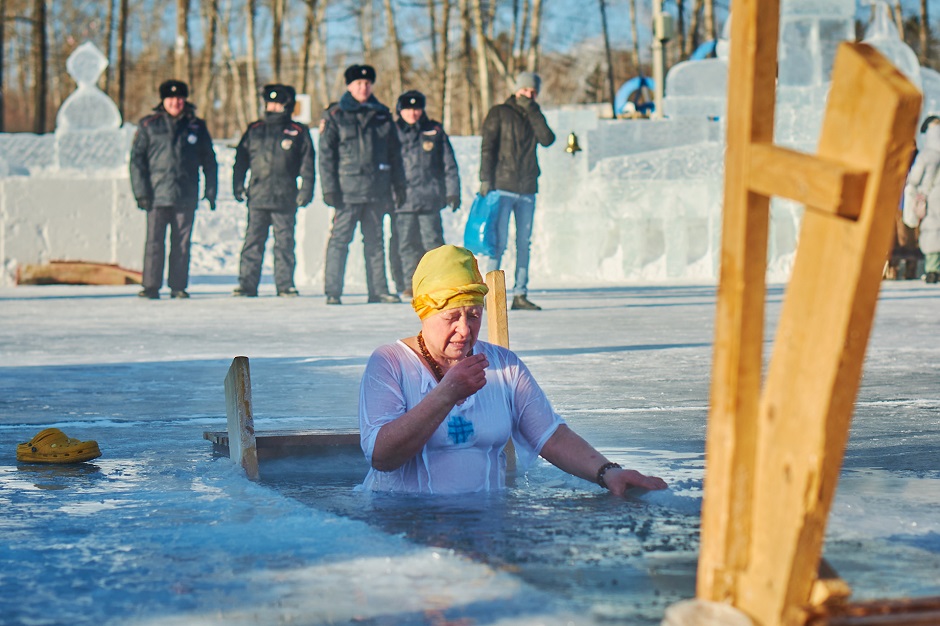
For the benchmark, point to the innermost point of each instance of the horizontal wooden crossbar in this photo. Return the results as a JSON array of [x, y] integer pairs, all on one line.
[[819, 183], [277, 443]]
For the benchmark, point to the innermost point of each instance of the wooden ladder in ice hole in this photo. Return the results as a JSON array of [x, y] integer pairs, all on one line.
[[773, 456]]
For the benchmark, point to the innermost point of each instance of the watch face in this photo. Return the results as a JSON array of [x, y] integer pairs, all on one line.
[[428, 146], [286, 144], [192, 139]]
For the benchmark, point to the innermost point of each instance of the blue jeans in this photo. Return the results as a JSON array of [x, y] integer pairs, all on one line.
[[522, 205]]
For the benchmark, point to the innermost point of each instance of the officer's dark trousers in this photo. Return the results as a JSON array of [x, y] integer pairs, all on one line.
[[416, 233], [369, 217], [256, 236], [181, 230]]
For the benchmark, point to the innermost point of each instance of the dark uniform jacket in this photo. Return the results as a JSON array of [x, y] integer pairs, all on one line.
[[165, 159], [277, 150], [511, 132], [430, 167], [360, 157]]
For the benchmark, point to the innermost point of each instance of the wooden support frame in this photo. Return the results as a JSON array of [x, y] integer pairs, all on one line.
[[497, 326], [773, 458], [241, 427]]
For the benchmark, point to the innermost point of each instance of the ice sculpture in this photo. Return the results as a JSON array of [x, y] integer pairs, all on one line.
[[88, 132]]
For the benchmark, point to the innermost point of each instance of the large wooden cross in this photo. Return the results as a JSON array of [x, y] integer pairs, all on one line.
[[773, 454]]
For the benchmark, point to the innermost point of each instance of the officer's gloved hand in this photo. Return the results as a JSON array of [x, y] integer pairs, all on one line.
[[145, 204], [239, 192], [304, 197], [211, 202], [485, 188], [454, 202], [333, 199]]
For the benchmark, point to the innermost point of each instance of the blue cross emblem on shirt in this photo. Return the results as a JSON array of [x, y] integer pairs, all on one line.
[[459, 429]]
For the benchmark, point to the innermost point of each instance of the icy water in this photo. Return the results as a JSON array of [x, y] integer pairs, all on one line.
[[158, 531]]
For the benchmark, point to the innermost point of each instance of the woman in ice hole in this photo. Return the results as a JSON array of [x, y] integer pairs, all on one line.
[[437, 409]]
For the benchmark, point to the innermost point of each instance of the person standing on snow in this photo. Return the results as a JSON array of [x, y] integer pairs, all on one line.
[[924, 181], [360, 166], [508, 166], [433, 182], [277, 150], [169, 148]]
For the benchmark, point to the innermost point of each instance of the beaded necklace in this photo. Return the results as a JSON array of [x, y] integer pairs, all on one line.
[[434, 365]]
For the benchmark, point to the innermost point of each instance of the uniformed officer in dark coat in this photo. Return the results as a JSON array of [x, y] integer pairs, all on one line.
[[360, 166], [432, 180], [170, 147], [277, 150]]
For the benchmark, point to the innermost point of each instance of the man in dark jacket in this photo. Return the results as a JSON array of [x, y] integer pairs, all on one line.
[[360, 165], [169, 148], [277, 150], [432, 183], [509, 167]]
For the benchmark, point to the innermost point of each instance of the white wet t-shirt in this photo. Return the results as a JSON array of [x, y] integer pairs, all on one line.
[[465, 453]]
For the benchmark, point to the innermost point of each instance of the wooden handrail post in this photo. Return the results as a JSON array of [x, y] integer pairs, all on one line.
[[497, 324], [241, 426]]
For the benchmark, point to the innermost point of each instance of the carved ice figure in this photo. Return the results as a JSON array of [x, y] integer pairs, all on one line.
[[88, 134], [883, 35], [87, 108]]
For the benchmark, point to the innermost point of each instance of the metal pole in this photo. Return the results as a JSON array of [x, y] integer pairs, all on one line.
[[659, 64]]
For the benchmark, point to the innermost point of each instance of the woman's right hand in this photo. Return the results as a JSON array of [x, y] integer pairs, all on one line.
[[465, 378]]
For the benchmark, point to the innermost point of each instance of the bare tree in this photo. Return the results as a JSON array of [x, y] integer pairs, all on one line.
[[122, 58], [210, 11], [898, 18], [365, 29], [924, 32], [3, 26], [466, 59], [395, 43], [250, 46], [610, 61], [182, 52], [532, 62], [634, 34], [444, 63], [523, 35], [680, 30], [710, 32], [278, 8], [238, 100], [108, 45], [691, 43], [40, 66], [482, 66]]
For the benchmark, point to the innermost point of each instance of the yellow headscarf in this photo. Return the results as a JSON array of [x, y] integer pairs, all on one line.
[[447, 278]]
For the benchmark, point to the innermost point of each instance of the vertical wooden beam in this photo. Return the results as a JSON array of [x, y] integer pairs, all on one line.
[[739, 320], [241, 426], [806, 409], [497, 323]]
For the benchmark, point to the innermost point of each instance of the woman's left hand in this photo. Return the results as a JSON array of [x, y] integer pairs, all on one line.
[[619, 480]]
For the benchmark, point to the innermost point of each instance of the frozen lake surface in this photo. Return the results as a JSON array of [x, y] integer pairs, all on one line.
[[158, 531]]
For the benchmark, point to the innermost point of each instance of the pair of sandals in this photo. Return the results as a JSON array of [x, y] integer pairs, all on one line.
[[53, 446]]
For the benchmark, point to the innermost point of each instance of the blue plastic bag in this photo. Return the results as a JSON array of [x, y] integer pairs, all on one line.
[[479, 235]]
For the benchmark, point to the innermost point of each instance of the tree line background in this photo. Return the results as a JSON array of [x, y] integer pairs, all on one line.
[[463, 54]]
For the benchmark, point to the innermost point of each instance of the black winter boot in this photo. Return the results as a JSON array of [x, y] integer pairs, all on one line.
[[521, 303]]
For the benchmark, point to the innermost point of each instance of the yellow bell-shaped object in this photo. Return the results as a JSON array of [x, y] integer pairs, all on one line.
[[572, 148]]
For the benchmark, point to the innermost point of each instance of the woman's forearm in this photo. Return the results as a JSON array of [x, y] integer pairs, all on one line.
[[402, 439]]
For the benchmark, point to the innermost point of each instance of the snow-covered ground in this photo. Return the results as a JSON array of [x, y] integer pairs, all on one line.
[[158, 531]]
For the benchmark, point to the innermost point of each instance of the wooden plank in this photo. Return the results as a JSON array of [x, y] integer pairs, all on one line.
[[813, 378], [241, 429], [497, 323], [739, 318], [900, 612], [280, 443], [819, 183], [76, 273]]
